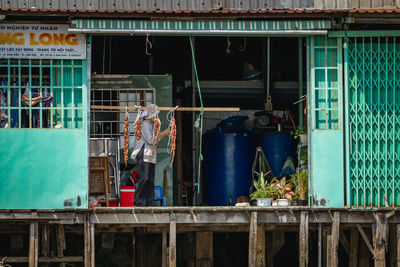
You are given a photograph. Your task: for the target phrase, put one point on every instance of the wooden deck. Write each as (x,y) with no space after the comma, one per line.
(204,221)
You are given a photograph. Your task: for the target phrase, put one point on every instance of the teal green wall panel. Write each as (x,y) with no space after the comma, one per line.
(43,168)
(327,169)
(326,125)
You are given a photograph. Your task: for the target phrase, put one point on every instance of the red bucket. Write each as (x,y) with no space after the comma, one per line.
(127,196)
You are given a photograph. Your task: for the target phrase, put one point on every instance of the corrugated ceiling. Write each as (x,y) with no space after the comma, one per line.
(195,5)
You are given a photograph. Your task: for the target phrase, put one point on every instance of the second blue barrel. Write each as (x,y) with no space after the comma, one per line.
(277,147)
(228,163)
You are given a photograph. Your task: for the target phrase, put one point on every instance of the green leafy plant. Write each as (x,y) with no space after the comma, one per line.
(303,155)
(263,190)
(300,130)
(281,189)
(300,182)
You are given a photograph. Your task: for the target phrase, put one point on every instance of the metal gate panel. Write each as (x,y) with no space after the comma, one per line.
(373,121)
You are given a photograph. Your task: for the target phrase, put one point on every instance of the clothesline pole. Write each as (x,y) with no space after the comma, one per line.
(166,108)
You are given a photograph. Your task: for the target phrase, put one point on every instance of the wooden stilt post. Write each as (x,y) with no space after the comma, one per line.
(353,254)
(172,241)
(61,245)
(45,240)
(33,244)
(260,254)
(379,240)
(334,260)
(269,245)
(191,257)
(164,249)
(303,239)
(364,255)
(86,238)
(398,245)
(204,249)
(92,245)
(253,239)
(325,233)
(392,245)
(133,249)
(344,242)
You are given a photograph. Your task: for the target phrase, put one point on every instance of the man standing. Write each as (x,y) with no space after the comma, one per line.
(146,160)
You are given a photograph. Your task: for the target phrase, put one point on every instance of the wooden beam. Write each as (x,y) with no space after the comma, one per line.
(165,108)
(191,255)
(134,250)
(164,249)
(86,242)
(380,240)
(353,253)
(36,243)
(44,259)
(334,259)
(366,240)
(33,244)
(166,186)
(204,249)
(269,249)
(253,239)
(260,253)
(61,244)
(45,240)
(345,243)
(364,255)
(172,241)
(179,144)
(303,239)
(329,253)
(92,245)
(392,245)
(398,245)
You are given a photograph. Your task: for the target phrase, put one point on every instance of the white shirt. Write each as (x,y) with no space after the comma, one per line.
(146,140)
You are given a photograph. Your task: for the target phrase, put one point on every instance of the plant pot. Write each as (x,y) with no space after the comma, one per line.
(302,202)
(282,202)
(264,202)
(294,203)
(303,139)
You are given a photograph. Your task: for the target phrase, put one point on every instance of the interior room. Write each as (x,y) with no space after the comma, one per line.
(261,76)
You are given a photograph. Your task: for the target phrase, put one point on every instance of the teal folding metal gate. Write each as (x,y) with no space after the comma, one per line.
(373,121)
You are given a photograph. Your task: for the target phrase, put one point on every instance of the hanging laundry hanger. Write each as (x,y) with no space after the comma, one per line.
(149,45)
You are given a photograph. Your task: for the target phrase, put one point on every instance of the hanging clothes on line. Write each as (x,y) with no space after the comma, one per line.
(14,103)
(3,105)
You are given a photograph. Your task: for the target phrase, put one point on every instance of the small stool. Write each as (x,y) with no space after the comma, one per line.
(158,195)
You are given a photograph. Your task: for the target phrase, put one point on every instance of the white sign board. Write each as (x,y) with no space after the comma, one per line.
(41,41)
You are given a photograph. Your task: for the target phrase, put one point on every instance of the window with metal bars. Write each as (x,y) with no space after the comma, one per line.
(106,123)
(41,93)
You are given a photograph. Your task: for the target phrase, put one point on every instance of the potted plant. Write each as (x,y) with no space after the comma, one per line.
(301,132)
(263,191)
(300,182)
(282,191)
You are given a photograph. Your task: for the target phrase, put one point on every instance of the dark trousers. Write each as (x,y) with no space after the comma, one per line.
(144,191)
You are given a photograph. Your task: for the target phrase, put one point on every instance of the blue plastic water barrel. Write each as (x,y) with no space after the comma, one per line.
(228,162)
(277,147)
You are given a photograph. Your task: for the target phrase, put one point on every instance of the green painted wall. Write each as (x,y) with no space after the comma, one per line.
(326,125)
(43,168)
(48,168)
